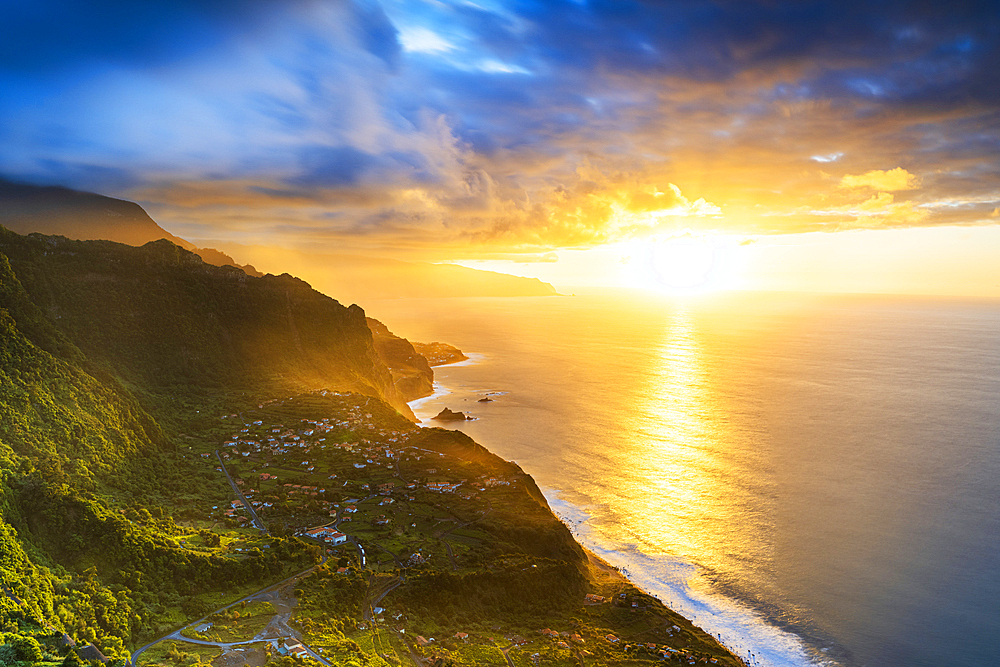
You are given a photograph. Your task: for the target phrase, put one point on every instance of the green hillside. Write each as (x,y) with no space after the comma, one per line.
(180,445)
(79,455)
(175,330)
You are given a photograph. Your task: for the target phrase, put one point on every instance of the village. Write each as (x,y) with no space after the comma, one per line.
(385,508)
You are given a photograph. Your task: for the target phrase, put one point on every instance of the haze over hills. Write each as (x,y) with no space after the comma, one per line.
(88,217)
(352,279)
(359,279)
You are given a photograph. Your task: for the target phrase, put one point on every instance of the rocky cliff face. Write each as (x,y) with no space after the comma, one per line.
(170,326)
(411,372)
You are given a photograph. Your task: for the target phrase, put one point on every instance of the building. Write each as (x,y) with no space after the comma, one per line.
(327,534)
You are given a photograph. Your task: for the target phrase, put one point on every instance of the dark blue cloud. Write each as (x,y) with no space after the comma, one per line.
(333,167)
(345,166)
(255,89)
(378,35)
(47,34)
(79,175)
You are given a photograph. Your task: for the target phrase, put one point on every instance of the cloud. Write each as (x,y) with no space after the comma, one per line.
(892,180)
(423,40)
(507,127)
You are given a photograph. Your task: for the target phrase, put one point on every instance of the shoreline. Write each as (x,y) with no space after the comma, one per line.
(439,389)
(743,631)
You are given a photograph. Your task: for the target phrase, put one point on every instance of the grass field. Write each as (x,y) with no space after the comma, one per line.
(171,653)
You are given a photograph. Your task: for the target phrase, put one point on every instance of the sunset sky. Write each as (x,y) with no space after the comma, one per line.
(845,146)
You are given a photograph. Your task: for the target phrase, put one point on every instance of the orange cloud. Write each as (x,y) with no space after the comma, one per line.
(876,179)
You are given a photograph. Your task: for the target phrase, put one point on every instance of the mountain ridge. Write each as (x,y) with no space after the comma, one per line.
(60,211)
(159,317)
(87,216)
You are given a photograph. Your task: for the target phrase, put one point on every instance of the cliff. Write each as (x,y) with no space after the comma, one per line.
(438,354)
(411,373)
(114,525)
(168,325)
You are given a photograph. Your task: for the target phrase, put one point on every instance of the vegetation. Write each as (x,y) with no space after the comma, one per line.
(189,454)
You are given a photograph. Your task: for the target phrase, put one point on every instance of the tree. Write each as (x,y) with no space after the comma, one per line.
(19,648)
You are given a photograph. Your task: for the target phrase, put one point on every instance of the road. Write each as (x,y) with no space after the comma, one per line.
(504,651)
(239,494)
(444,534)
(372,599)
(176,634)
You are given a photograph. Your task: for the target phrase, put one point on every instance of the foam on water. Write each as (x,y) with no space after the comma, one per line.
(813,479)
(439,389)
(671,580)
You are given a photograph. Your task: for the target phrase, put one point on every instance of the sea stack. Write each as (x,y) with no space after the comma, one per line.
(448,415)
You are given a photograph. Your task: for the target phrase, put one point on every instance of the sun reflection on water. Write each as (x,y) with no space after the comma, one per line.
(685,493)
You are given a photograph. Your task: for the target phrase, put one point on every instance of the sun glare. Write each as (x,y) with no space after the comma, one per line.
(683,263)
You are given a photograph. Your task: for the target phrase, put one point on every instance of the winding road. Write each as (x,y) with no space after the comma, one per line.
(279,624)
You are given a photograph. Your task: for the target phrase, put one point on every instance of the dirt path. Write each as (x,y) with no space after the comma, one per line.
(451,556)
(444,533)
(504,650)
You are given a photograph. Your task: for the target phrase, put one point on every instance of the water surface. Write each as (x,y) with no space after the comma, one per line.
(817,479)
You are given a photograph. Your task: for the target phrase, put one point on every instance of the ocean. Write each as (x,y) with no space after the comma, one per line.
(813,479)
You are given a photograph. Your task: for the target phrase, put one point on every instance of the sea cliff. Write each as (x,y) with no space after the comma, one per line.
(193,456)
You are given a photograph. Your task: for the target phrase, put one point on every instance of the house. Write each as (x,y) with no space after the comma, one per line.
(612,639)
(328,534)
(562,645)
(549,633)
(594,599)
(461,635)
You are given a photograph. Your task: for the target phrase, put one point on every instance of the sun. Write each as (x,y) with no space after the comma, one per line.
(683,262)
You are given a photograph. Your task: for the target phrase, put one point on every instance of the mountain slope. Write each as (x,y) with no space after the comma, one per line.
(169,325)
(26,209)
(411,372)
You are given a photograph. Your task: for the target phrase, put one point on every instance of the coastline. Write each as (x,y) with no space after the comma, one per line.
(439,389)
(742,630)
(737,627)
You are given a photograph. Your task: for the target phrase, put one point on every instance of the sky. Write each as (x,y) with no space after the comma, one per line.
(832,145)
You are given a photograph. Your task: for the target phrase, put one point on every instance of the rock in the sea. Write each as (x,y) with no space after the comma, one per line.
(485,399)
(448,415)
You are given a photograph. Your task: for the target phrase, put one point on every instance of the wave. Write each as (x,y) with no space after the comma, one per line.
(678,585)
